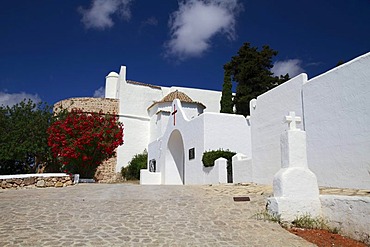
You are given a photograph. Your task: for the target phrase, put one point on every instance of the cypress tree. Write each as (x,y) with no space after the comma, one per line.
(227,97)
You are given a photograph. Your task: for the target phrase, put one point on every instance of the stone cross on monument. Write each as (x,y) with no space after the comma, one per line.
(296,191)
(292,120)
(174,115)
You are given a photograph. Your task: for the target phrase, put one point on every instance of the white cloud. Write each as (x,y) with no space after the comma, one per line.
(292,66)
(196,21)
(99,93)
(99,15)
(10,99)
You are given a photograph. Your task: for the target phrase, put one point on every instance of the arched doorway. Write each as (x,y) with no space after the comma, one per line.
(175,169)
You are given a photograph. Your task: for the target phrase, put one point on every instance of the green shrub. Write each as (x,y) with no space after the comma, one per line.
(138,162)
(209,157)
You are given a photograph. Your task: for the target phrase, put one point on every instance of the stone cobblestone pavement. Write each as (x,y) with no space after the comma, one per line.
(134,215)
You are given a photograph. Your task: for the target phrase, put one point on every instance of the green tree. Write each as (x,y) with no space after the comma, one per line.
(227,94)
(23,137)
(251,70)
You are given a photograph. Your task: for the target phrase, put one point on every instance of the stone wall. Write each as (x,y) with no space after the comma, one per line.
(350,214)
(35,181)
(106,172)
(89,105)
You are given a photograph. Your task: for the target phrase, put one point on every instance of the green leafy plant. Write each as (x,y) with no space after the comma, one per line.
(138,162)
(209,157)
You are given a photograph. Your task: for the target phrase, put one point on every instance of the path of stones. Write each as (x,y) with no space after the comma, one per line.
(133,215)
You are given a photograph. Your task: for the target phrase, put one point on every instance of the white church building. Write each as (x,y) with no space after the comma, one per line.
(176,125)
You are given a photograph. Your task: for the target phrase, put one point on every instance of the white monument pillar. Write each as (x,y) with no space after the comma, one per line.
(296,191)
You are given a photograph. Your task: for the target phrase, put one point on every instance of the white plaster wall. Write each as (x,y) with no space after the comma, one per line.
(216,174)
(136,138)
(211,99)
(226,131)
(209,131)
(337,120)
(133,104)
(134,101)
(348,213)
(154,152)
(192,137)
(267,125)
(242,168)
(191,110)
(192,132)
(174,169)
(155,126)
(150,178)
(159,115)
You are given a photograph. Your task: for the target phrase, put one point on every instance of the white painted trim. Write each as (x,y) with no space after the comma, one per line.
(44,175)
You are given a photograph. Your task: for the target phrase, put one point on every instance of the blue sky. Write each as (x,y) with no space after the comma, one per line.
(52,50)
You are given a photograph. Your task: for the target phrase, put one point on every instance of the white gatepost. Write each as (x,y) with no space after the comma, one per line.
(242,168)
(296,191)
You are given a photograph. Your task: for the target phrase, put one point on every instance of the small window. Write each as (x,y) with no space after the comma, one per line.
(191,153)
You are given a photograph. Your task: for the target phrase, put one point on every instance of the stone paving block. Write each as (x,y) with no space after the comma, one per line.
(134,215)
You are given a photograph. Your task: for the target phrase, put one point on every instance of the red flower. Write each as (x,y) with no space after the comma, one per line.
(84,139)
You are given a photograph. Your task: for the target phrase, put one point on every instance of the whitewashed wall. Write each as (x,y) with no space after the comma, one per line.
(337,121)
(348,213)
(242,168)
(216,174)
(267,114)
(226,131)
(211,99)
(136,138)
(134,101)
(209,131)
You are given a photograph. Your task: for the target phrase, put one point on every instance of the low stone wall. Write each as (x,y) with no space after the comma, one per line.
(41,180)
(348,213)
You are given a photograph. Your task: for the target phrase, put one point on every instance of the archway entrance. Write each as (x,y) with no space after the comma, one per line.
(175,168)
